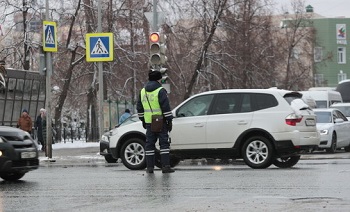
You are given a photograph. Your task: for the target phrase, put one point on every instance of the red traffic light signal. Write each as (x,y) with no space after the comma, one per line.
(154,37)
(157,48)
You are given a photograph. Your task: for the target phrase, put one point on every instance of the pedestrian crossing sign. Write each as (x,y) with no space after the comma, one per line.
(49,36)
(99,47)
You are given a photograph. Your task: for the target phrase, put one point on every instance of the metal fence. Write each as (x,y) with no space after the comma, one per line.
(24,90)
(70,134)
(112,111)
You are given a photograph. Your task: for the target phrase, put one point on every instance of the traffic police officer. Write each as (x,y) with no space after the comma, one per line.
(153,100)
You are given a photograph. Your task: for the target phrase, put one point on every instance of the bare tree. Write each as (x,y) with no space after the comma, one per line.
(295,45)
(22,42)
(212,44)
(248,46)
(202,54)
(70,48)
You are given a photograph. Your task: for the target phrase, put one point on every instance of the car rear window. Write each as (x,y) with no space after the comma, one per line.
(263,101)
(289,97)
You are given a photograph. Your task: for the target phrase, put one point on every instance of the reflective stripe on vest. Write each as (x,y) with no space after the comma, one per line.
(153,103)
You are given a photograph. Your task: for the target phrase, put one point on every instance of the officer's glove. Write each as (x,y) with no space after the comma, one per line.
(144,124)
(169,125)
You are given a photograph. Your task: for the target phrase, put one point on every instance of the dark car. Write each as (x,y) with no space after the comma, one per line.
(18,153)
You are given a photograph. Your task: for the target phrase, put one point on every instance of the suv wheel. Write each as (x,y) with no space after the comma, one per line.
(333,147)
(12,176)
(174,161)
(133,154)
(257,152)
(286,162)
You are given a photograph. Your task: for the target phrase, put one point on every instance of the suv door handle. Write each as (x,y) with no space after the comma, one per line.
(198,125)
(242,122)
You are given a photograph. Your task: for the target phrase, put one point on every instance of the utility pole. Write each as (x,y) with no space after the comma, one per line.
(48,95)
(100,75)
(155,16)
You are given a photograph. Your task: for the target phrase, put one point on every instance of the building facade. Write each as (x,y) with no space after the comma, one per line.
(332,63)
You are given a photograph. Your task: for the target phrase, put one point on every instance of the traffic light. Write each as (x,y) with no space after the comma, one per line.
(164,75)
(157,49)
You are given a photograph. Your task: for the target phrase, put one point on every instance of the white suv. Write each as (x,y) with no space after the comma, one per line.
(262,126)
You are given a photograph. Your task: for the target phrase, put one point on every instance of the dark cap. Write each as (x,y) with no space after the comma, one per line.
(127,111)
(25,110)
(154,75)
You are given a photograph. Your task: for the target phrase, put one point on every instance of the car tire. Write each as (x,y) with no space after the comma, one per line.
(347,149)
(110,159)
(333,147)
(133,154)
(286,162)
(257,152)
(174,161)
(12,176)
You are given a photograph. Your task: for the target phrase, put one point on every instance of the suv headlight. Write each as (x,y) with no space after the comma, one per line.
(323,132)
(104,138)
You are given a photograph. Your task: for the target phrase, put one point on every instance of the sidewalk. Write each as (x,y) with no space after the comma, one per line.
(340,154)
(78,152)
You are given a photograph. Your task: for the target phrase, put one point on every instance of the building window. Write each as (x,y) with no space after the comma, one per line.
(319,80)
(318,54)
(341,55)
(341,76)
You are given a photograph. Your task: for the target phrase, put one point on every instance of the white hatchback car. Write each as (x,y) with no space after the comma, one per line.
(262,126)
(334,128)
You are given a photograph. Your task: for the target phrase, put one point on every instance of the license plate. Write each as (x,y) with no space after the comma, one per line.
(310,122)
(28,155)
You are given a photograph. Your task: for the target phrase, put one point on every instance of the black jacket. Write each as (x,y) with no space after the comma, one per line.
(39,128)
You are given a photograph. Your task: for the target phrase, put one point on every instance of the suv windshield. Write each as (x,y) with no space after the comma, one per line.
(323,117)
(133,118)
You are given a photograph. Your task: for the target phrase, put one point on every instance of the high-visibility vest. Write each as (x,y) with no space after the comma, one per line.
(152,102)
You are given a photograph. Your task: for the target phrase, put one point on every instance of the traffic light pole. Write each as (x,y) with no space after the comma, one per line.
(155,22)
(155,16)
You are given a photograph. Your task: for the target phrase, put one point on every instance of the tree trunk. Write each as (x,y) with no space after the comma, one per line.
(92,120)
(26,56)
(68,79)
(205,47)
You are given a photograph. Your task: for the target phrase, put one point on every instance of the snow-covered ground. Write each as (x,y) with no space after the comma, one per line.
(74,144)
(77,156)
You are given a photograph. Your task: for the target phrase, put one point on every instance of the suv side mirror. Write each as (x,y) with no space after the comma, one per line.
(338,120)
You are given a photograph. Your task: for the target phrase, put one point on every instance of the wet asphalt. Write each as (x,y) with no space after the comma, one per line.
(90,155)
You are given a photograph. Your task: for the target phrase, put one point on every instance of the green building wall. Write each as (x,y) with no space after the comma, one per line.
(326,37)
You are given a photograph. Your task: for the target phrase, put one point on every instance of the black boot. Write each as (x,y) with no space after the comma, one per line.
(167,169)
(150,159)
